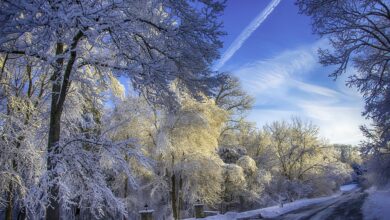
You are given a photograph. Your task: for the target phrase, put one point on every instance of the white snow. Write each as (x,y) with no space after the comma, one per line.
(272,211)
(349,187)
(146,211)
(377,205)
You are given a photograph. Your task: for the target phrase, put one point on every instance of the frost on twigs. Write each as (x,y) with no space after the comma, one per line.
(187,142)
(82,173)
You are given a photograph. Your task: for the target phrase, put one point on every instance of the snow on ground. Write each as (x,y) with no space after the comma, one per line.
(274,211)
(377,205)
(271,212)
(349,187)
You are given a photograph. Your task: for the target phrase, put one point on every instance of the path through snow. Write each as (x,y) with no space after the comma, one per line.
(271,212)
(275,211)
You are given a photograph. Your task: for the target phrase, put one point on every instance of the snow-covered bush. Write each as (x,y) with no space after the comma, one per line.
(248,164)
(231,154)
(235,182)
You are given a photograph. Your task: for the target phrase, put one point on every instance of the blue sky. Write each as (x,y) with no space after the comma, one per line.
(274,53)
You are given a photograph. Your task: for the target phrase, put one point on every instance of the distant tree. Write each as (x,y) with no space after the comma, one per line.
(262,150)
(348,154)
(231,97)
(236,140)
(296,145)
(305,164)
(359,36)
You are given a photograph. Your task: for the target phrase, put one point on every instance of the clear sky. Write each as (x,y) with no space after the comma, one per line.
(274,53)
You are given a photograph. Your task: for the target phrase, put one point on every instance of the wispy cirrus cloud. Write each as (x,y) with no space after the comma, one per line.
(246,33)
(283,87)
(315,89)
(285,68)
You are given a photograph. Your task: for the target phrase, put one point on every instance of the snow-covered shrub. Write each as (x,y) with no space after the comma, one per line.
(231,154)
(235,181)
(248,164)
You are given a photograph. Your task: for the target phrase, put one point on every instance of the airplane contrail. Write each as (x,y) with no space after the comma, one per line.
(246,33)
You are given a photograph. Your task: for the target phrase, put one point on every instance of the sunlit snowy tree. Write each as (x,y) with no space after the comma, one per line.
(188,143)
(151,42)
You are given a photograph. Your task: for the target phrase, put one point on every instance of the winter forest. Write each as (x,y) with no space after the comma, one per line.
(110,107)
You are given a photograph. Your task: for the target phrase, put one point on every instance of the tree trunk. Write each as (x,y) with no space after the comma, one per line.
(22,214)
(8,213)
(125,193)
(173,197)
(180,197)
(53,208)
(59,91)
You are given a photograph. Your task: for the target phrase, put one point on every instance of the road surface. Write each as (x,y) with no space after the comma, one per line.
(345,207)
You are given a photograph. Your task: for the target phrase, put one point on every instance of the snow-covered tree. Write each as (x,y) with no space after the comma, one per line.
(231,97)
(22,93)
(244,184)
(188,141)
(358,33)
(305,164)
(234,184)
(254,182)
(135,119)
(377,154)
(151,42)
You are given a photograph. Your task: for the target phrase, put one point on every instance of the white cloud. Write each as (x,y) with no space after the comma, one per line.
(262,75)
(340,124)
(319,90)
(282,89)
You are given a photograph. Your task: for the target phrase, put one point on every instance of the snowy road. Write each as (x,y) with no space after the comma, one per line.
(347,206)
(344,205)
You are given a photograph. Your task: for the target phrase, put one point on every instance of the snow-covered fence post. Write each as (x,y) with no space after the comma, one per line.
(282,201)
(199,210)
(146,214)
